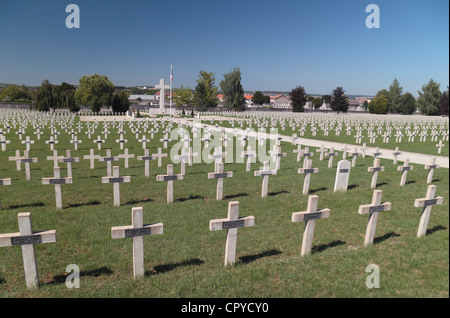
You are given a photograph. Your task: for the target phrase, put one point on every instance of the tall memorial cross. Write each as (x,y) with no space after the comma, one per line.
(57,181)
(427,203)
(116,180)
(430,167)
(137,231)
(307,170)
(26,238)
(219,175)
(170,178)
(373,209)
(162,94)
(4,182)
(375,169)
(405,168)
(92,157)
(265,173)
(232,223)
(309,217)
(146,158)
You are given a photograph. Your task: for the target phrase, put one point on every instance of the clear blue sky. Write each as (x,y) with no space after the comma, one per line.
(278,45)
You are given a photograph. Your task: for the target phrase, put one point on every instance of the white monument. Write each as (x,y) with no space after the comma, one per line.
(162,95)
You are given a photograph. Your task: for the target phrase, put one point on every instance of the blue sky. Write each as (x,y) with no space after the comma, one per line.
(278,45)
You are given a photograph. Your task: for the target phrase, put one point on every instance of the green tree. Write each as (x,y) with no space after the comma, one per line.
(298,99)
(443,105)
(120,102)
(339,102)
(94,91)
(317,102)
(327,98)
(379,105)
(258,98)
(208,90)
(407,104)
(15,93)
(429,98)
(183,97)
(64,97)
(366,105)
(393,96)
(44,97)
(233,92)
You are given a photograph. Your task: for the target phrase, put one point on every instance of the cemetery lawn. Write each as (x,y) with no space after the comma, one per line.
(188,259)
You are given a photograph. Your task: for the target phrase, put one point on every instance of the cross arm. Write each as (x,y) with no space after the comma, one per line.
(307,216)
(370,208)
(418,203)
(14,239)
(225,224)
(128,230)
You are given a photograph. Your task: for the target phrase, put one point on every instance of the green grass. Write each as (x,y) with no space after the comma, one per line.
(187,260)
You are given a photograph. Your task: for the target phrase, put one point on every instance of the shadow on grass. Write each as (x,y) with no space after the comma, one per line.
(317,190)
(76,205)
(381,184)
(322,247)
(33,205)
(139,201)
(409,182)
(61,279)
(271,194)
(160,269)
(251,258)
(385,237)
(191,197)
(352,186)
(435,229)
(232,196)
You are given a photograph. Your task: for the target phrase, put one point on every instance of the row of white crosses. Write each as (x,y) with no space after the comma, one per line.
(26,238)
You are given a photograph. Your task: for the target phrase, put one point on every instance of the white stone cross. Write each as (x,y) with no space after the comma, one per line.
(27,142)
(276,155)
(26,160)
(377,153)
(51,142)
(430,167)
(396,153)
(159,155)
(405,168)
(307,170)
(3,142)
(121,141)
(26,238)
(68,160)
(137,231)
(75,142)
(373,209)
(55,158)
(440,145)
(183,157)
(165,140)
(126,156)
(99,142)
(116,180)
(17,159)
(249,154)
(354,155)
(57,181)
(4,182)
(265,173)
(331,154)
(322,152)
(375,169)
(344,152)
(91,157)
(219,175)
(427,203)
(310,216)
(146,158)
(108,160)
(170,178)
(144,141)
(231,224)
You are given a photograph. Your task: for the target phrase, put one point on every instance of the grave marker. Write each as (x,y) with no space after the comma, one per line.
(265,173)
(375,169)
(373,209)
(430,167)
(116,180)
(405,168)
(4,182)
(427,203)
(26,238)
(91,157)
(219,175)
(307,171)
(57,181)
(170,178)
(231,224)
(137,231)
(146,158)
(342,176)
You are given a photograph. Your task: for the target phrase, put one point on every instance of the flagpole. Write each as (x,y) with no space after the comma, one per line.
(171,79)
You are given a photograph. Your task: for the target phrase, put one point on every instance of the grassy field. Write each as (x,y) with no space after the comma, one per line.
(187,260)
